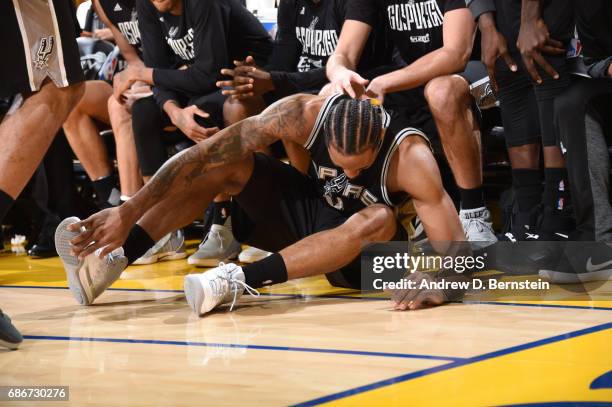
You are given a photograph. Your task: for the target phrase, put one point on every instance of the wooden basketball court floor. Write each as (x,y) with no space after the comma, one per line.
(300,343)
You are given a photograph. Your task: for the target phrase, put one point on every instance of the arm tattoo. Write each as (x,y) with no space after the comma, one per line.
(282,120)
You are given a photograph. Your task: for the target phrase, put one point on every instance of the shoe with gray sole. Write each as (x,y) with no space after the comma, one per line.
(90,277)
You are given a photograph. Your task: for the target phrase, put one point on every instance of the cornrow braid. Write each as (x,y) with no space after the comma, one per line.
(352,126)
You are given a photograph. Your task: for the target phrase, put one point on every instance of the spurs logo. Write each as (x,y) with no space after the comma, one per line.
(173,31)
(45,49)
(336,184)
(313,23)
(337,187)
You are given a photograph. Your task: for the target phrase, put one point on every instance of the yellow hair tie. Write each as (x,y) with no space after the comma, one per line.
(375,102)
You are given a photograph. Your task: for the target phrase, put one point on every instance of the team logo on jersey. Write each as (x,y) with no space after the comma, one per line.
(183,47)
(414,15)
(45,48)
(419,38)
(337,188)
(173,31)
(117,7)
(313,23)
(315,43)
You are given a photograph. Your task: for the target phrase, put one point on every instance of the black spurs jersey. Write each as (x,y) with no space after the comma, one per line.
(415,25)
(315,25)
(178,31)
(123,15)
(350,195)
(204,38)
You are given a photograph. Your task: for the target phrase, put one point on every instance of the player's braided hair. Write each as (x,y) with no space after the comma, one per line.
(352,126)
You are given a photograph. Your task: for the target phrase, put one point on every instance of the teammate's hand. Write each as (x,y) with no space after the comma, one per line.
(403,300)
(184,119)
(122,82)
(494,46)
(376,89)
(107,229)
(533,40)
(350,83)
(247,81)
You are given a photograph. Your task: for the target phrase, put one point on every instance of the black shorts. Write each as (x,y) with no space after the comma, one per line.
(280,206)
(526,108)
(39,41)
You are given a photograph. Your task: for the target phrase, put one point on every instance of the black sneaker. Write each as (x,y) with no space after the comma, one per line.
(523,227)
(9,335)
(581,262)
(45,244)
(556,225)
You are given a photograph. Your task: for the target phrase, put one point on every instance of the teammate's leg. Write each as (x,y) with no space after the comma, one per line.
(450,103)
(148,122)
(84,138)
(27,134)
(127,158)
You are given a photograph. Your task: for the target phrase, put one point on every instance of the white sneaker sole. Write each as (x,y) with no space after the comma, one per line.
(247,258)
(156,258)
(9,345)
(194,293)
(210,262)
(571,278)
(79,289)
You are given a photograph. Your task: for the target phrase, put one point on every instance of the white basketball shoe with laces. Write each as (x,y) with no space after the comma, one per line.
(215,287)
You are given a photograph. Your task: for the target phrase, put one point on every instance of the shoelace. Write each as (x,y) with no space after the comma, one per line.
(233,283)
(478,223)
(212,233)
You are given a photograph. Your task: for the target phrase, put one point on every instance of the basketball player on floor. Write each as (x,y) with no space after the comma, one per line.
(308,31)
(42,71)
(364,162)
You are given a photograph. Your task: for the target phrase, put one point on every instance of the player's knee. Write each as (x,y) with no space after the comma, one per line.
(234,111)
(375,223)
(115,109)
(67,99)
(74,93)
(145,118)
(446,95)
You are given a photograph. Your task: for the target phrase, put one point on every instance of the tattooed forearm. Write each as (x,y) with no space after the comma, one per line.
(284,119)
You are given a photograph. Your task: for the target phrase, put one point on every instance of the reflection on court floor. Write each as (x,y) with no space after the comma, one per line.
(302,342)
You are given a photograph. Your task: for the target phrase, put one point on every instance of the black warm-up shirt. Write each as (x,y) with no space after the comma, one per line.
(206,37)
(123,15)
(307,36)
(594,26)
(415,26)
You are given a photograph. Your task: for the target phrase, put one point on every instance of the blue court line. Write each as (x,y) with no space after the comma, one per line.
(332,296)
(240,346)
(448,366)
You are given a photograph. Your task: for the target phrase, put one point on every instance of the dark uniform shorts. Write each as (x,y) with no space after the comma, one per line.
(280,206)
(39,41)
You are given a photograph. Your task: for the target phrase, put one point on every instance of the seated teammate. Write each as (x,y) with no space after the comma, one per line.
(364,162)
(434,38)
(98,105)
